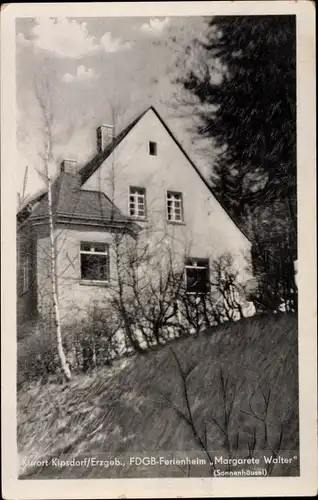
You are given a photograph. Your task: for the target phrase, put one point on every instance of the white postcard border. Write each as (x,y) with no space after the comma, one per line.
(306,484)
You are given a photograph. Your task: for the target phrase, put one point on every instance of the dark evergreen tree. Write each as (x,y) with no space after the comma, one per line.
(245,85)
(254,107)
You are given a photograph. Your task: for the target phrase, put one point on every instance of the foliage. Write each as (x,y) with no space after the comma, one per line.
(36,353)
(240,81)
(273,253)
(225,300)
(247,82)
(88,343)
(151,300)
(275,273)
(148,306)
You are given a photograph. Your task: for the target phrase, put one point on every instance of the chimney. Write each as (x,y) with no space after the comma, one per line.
(68,166)
(104,137)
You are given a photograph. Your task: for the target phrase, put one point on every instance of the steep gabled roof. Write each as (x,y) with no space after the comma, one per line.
(97,161)
(70,199)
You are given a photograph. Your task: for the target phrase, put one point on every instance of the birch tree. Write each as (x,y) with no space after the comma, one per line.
(45,102)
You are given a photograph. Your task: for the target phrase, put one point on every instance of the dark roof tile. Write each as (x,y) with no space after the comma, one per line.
(69,199)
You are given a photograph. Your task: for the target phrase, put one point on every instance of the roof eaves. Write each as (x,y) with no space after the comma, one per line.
(83,219)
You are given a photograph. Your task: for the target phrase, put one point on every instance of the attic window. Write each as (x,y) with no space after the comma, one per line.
(152,148)
(197,276)
(94,261)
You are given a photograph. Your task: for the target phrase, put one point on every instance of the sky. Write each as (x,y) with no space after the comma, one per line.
(93,66)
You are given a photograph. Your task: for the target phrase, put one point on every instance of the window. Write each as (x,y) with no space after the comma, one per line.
(174,207)
(152,148)
(197,276)
(137,202)
(94,261)
(25,273)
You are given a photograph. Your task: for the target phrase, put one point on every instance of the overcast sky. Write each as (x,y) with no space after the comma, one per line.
(91,63)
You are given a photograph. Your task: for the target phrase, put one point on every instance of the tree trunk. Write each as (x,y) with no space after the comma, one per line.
(56,309)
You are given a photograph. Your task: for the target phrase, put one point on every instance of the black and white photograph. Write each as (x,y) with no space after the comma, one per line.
(157,233)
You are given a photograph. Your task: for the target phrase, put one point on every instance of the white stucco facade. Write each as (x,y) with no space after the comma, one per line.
(207,230)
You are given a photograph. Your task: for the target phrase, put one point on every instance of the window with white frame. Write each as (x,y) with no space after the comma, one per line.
(94,261)
(174,207)
(137,202)
(197,275)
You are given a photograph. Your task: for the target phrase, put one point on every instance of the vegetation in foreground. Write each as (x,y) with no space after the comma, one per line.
(232,389)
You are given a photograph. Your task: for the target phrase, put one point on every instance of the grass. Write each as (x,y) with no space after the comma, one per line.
(135,406)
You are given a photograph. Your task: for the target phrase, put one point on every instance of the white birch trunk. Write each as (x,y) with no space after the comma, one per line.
(44,98)
(56,309)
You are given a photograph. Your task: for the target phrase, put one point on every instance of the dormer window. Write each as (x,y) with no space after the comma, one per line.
(152,148)
(137,202)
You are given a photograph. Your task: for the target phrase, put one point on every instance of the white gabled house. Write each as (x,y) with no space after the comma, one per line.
(140,183)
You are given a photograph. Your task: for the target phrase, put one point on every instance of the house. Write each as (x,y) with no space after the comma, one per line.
(140,184)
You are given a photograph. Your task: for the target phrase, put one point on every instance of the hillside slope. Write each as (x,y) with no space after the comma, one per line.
(242,383)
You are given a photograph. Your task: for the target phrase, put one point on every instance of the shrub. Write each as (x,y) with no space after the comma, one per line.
(87,343)
(36,353)
(94,341)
